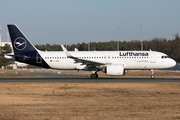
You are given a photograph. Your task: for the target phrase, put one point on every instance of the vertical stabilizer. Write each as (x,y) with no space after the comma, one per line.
(19,41)
(24,50)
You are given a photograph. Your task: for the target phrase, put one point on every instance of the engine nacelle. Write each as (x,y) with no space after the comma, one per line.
(116,69)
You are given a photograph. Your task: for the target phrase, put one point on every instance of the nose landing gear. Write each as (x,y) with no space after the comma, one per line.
(152,74)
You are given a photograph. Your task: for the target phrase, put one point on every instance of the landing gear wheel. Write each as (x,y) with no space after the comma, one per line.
(93,76)
(152,76)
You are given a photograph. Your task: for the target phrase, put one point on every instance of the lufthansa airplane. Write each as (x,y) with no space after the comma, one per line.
(110,62)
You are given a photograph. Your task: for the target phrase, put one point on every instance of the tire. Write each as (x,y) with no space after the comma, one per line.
(94,76)
(152,76)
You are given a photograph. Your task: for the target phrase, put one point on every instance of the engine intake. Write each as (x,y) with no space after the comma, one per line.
(115,69)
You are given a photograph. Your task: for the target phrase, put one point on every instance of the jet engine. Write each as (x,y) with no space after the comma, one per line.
(116,69)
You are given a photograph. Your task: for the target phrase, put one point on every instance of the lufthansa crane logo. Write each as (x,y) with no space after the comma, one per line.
(20,43)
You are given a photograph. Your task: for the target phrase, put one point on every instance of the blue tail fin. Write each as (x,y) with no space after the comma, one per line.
(19,41)
(24,50)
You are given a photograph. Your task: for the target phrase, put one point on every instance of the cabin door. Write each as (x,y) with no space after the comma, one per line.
(38,58)
(152,58)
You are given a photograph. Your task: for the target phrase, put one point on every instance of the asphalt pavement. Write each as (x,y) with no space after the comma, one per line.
(59,78)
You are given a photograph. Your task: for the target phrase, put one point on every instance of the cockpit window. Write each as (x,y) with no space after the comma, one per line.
(164,57)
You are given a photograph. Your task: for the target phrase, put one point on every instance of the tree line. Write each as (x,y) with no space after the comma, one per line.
(4,50)
(170,47)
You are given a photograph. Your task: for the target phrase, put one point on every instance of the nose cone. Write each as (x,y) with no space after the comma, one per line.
(172,63)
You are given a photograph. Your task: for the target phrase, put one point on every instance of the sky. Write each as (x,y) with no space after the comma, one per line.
(47,21)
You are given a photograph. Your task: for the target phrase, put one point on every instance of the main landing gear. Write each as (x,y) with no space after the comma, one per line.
(152,74)
(94,75)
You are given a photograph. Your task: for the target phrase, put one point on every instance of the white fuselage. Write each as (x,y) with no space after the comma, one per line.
(130,59)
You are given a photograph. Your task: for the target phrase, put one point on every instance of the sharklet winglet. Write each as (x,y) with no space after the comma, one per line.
(65,51)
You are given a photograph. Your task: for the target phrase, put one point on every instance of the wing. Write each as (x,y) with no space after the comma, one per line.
(88,63)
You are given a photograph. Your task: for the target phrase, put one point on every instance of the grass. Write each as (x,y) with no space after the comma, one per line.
(79,101)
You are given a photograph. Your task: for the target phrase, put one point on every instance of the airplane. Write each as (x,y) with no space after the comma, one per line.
(113,63)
